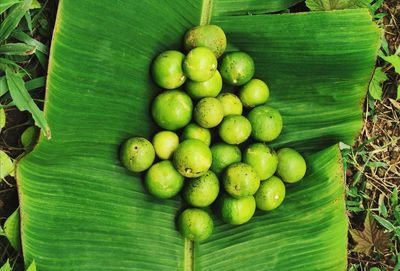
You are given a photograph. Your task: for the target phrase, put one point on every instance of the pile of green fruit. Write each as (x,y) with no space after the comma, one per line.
(243,180)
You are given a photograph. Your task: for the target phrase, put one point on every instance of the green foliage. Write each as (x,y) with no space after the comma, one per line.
(23,101)
(6,165)
(6,266)
(375,86)
(394,60)
(12,20)
(317,5)
(12,231)
(2,119)
(32,266)
(16,49)
(97,214)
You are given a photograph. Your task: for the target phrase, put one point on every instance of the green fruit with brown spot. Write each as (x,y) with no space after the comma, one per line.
(210,36)
(208,112)
(240,180)
(195,224)
(236,68)
(253,93)
(202,191)
(192,158)
(266,123)
(200,64)
(137,154)
(262,158)
(231,104)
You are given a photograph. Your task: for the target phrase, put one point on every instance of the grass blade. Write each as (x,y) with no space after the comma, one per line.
(12,20)
(24,101)
(6,4)
(17,49)
(22,36)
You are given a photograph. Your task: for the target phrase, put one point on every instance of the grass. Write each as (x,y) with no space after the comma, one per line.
(32,34)
(372,165)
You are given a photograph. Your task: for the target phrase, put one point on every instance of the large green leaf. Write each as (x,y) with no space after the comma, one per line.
(80,210)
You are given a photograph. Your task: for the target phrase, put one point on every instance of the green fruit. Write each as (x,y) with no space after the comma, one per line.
(202,191)
(137,154)
(270,194)
(29,136)
(192,158)
(210,36)
(163,181)
(172,109)
(235,129)
(375,269)
(195,224)
(240,180)
(266,123)
(291,165)
(194,131)
(231,104)
(208,112)
(263,159)
(210,88)
(224,155)
(167,69)
(237,211)
(254,93)
(236,68)
(165,143)
(200,64)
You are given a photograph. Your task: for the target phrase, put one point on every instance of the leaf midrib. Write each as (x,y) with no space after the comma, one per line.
(205,17)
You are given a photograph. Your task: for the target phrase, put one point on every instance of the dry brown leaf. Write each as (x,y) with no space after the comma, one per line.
(370,237)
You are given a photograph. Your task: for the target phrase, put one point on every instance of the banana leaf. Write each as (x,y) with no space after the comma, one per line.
(81,210)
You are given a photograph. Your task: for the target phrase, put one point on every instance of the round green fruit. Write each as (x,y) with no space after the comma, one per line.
(266,123)
(194,131)
(291,165)
(192,158)
(236,68)
(165,143)
(240,180)
(262,158)
(210,36)
(208,112)
(234,129)
(237,211)
(29,136)
(210,88)
(195,224)
(270,194)
(254,93)
(224,155)
(231,104)
(163,181)
(137,154)
(172,109)
(167,69)
(202,191)
(200,64)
